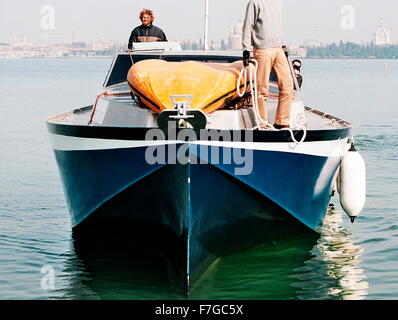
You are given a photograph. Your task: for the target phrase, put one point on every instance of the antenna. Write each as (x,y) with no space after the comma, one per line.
(206,42)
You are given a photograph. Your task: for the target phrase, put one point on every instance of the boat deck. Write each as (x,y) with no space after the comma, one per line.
(115,107)
(118,99)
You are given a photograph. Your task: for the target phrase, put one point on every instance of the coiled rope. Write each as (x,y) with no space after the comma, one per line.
(252,70)
(301,126)
(252,67)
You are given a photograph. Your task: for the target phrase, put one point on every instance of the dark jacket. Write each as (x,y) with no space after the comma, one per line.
(146,34)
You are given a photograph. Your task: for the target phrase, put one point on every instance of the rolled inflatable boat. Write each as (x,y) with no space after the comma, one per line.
(212,86)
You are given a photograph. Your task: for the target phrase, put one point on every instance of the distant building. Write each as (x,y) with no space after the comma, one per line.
(382,35)
(296,51)
(81,45)
(5,50)
(215,44)
(5,46)
(60,50)
(20,40)
(75,36)
(312,43)
(235,37)
(103,45)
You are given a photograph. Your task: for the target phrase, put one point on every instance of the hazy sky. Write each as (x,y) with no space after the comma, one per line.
(183,19)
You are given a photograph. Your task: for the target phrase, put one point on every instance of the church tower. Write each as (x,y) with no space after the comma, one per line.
(382,35)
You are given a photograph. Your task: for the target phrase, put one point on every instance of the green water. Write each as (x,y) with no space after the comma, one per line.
(346,261)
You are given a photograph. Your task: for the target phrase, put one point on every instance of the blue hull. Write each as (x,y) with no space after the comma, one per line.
(194,213)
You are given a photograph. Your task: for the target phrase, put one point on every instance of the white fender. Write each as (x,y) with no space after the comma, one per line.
(352,183)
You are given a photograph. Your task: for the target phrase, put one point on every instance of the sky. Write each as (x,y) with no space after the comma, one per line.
(304,20)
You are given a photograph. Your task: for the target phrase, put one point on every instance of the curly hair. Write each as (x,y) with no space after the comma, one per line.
(147,12)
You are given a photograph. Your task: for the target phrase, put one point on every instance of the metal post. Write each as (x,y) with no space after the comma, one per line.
(206,44)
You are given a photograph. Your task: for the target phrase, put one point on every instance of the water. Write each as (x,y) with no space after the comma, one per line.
(347,261)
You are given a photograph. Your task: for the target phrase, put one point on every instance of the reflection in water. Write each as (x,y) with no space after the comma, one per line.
(118,271)
(302,266)
(333,271)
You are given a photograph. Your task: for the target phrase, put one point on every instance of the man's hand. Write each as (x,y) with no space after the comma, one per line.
(285,51)
(246,58)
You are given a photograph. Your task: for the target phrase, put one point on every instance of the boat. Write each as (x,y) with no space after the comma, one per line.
(191,185)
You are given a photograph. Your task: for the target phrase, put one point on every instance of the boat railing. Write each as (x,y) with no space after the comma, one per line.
(333,119)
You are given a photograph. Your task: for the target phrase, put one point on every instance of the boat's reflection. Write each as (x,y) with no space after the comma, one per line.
(334,269)
(108,270)
(298,267)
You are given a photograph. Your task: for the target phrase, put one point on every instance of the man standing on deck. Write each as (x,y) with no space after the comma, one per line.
(146,32)
(262,29)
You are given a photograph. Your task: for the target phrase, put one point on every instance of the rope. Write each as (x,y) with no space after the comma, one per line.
(131,58)
(300,126)
(352,135)
(253,67)
(104,94)
(90,122)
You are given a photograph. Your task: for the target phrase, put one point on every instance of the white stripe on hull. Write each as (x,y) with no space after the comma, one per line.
(334,148)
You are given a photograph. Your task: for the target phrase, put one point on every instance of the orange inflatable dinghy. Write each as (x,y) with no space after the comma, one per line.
(211,85)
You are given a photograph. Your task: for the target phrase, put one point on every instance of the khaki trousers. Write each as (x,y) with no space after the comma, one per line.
(274,58)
